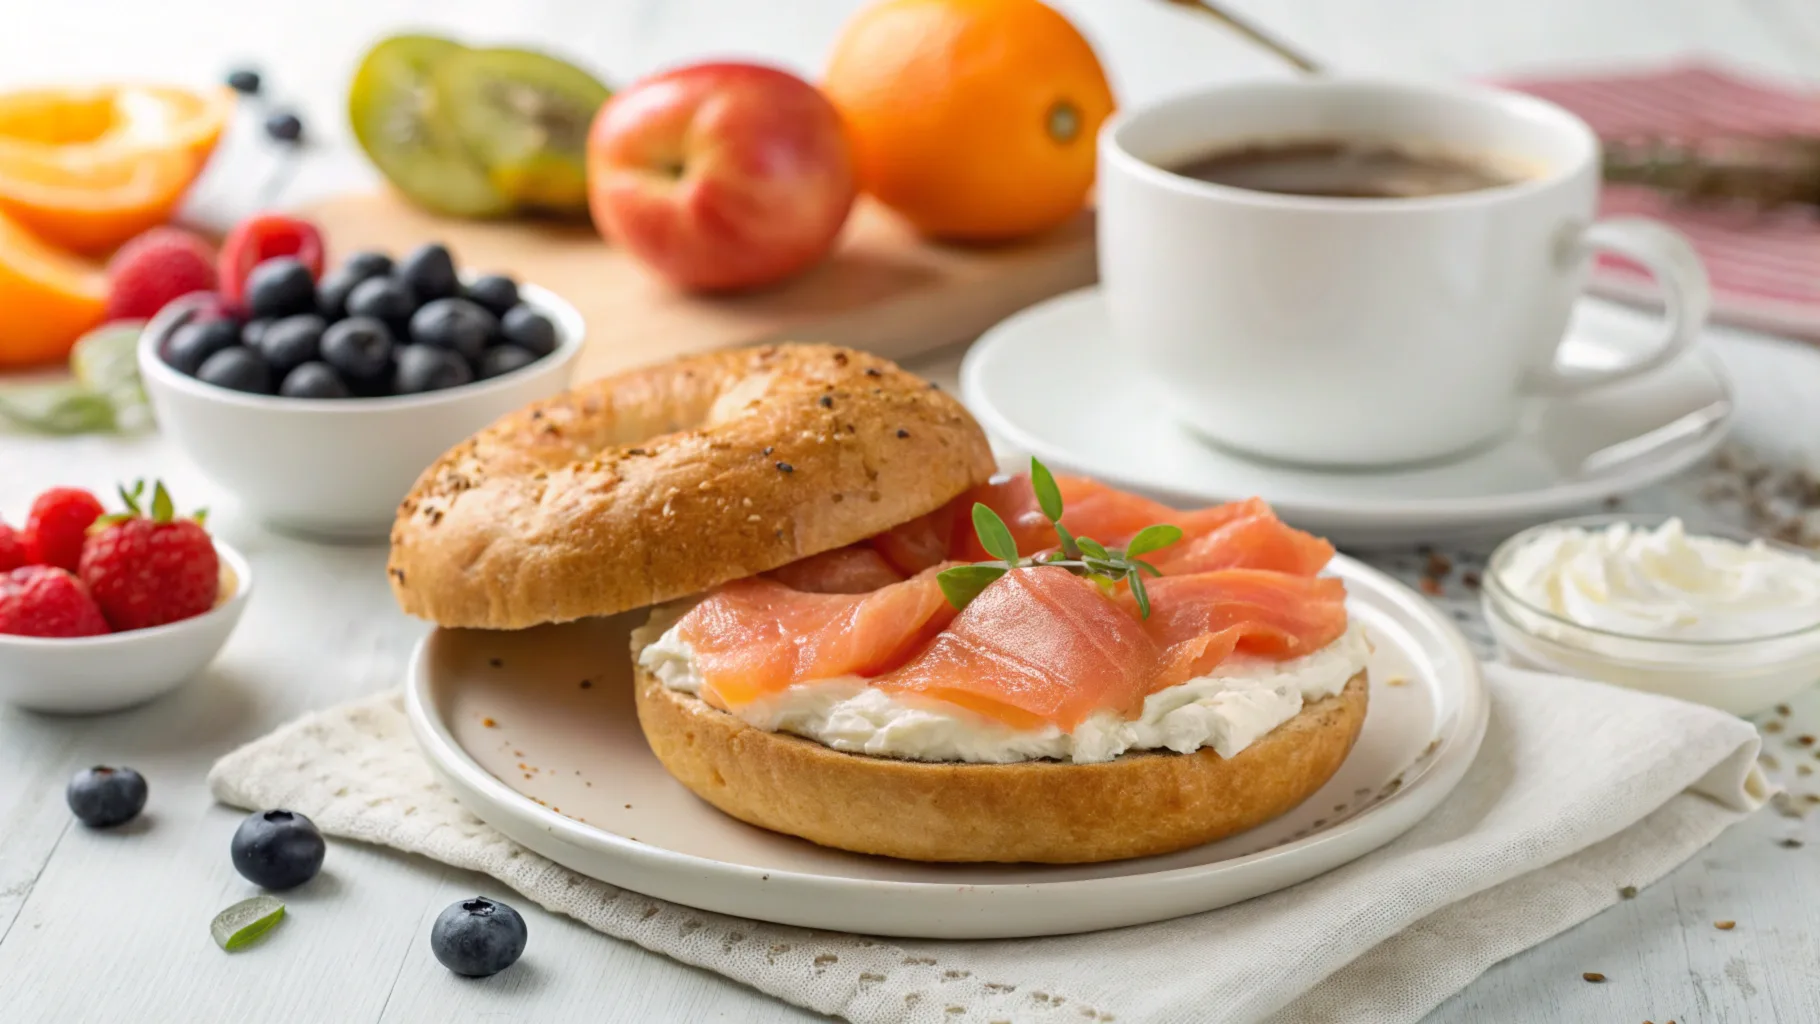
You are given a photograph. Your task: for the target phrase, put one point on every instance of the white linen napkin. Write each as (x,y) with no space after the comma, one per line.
(1580,789)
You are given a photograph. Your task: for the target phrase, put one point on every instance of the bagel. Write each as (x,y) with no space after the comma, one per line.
(1136,805)
(665,481)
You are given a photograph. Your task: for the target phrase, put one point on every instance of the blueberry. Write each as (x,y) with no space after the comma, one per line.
(503,359)
(529,329)
(238,368)
(367,264)
(280,287)
(314,380)
(430,271)
(192,344)
(277,849)
(360,347)
(291,342)
(284,126)
(253,330)
(383,298)
(496,293)
(455,324)
(333,291)
(427,368)
(102,797)
(244,81)
(478,937)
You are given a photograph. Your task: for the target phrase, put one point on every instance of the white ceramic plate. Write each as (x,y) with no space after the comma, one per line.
(1052,382)
(534,731)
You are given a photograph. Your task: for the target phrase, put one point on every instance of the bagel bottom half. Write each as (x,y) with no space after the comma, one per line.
(1035,811)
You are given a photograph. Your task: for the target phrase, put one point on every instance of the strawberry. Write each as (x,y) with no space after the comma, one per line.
(41,600)
(149,570)
(158,266)
(261,237)
(57,525)
(12,549)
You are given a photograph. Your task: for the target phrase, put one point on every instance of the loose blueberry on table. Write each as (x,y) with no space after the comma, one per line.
(478,937)
(369,328)
(102,797)
(278,849)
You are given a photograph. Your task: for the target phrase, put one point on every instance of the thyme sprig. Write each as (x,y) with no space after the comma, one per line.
(1105,567)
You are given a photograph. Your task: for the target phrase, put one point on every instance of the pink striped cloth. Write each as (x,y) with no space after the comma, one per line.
(1765,267)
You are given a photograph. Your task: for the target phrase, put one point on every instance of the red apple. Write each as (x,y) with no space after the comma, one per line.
(720,176)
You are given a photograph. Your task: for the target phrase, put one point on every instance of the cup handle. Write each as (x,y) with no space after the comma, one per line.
(1687,297)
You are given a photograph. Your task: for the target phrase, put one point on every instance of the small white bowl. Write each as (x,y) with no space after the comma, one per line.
(90,674)
(335,467)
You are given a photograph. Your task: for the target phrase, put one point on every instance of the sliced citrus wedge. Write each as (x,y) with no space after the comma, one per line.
(49,297)
(88,168)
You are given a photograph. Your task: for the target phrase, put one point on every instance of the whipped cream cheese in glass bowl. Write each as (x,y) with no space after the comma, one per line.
(1718,618)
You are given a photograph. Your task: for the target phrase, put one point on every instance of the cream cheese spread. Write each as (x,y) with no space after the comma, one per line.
(1229,709)
(1663,583)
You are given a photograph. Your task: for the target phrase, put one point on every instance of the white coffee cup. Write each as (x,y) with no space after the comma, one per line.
(1365,332)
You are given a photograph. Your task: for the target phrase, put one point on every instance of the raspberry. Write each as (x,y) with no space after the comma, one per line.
(40,600)
(12,549)
(158,266)
(261,237)
(149,570)
(57,526)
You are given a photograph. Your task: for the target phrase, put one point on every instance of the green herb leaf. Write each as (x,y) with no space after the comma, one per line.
(963,583)
(1093,548)
(162,509)
(1070,547)
(1048,495)
(1139,594)
(1150,538)
(242,924)
(1146,566)
(994,535)
(60,409)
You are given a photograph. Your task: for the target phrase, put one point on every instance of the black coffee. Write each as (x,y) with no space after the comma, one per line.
(1355,170)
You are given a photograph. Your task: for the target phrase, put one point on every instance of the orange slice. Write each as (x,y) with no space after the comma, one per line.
(88,168)
(50,297)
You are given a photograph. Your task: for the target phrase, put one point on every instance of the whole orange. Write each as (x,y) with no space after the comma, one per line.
(974,119)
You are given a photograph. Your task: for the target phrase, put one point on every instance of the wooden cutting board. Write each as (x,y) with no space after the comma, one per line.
(883,289)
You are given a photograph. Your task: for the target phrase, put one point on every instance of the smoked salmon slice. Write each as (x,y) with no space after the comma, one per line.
(1239,535)
(1200,620)
(849,570)
(1039,646)
(753,637)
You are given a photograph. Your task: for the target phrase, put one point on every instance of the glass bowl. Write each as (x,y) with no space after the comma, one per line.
(1743,676)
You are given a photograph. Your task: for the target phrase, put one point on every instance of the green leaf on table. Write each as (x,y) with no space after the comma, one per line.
(244,923)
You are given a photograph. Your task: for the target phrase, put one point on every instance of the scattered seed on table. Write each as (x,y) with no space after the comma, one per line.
(1593,976)
(1790,843)
(1725,926)
(1629,892)
(1772,726)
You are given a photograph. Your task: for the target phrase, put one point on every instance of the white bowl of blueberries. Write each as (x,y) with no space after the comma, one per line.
(319,406)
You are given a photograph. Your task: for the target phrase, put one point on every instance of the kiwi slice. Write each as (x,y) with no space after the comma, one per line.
(404,127)
(524,116)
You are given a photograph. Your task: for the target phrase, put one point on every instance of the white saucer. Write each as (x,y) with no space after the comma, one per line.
(562,768)
(1052,382)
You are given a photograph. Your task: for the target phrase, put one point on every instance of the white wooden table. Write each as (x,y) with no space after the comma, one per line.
(112,926)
